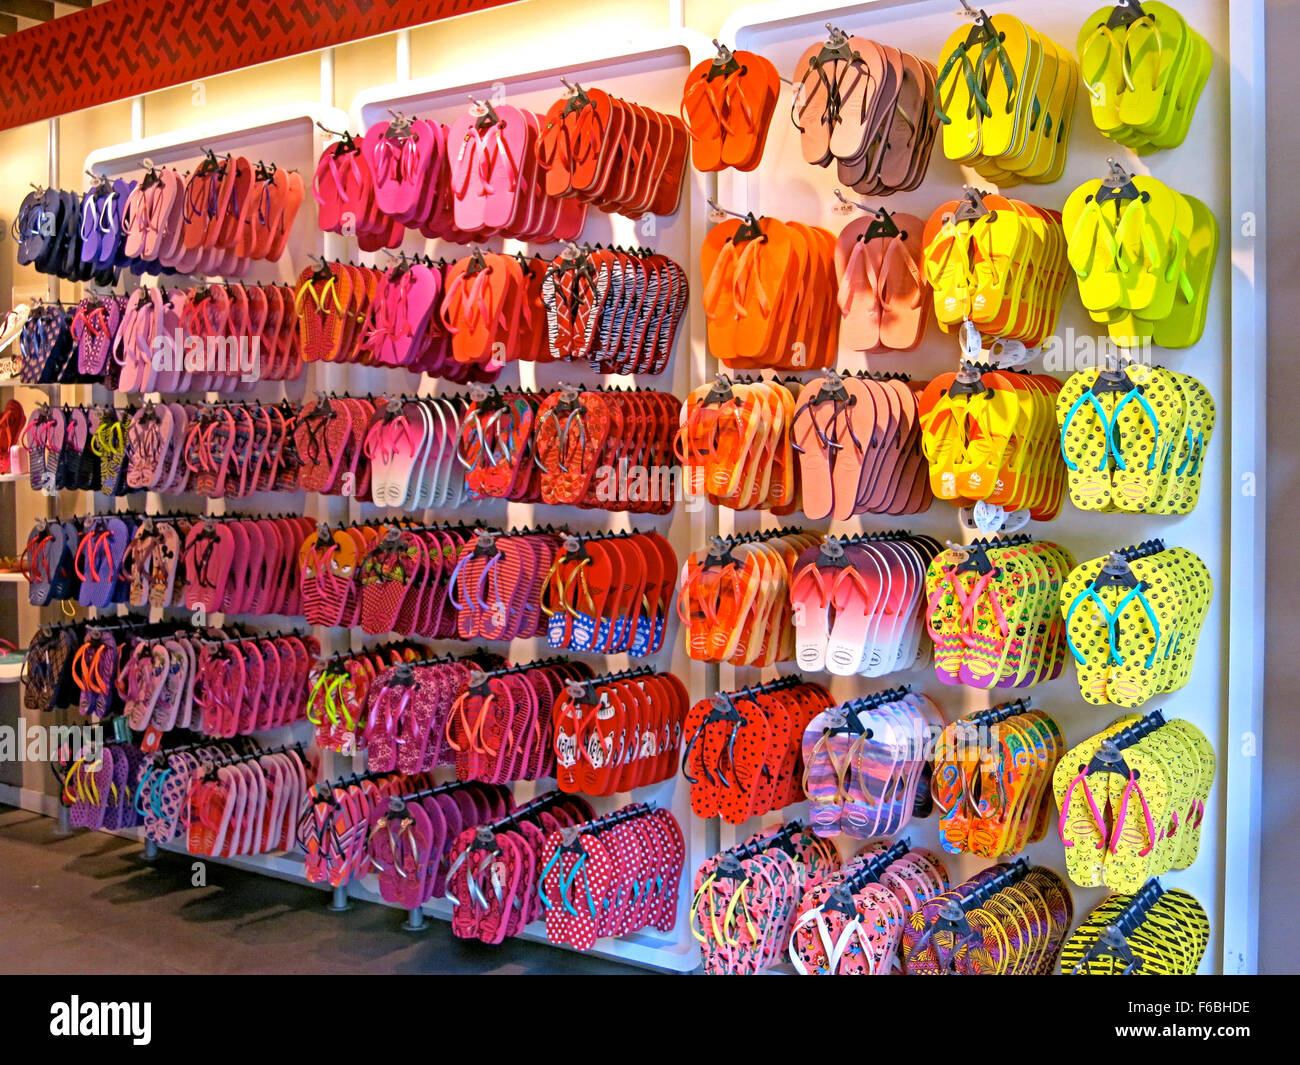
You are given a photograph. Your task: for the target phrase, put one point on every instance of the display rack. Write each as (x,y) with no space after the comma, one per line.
(652,75)
(1219,163)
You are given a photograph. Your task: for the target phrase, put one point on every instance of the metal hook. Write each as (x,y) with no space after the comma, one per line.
(714,205)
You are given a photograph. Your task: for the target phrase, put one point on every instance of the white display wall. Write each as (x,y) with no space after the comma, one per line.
(1223,696)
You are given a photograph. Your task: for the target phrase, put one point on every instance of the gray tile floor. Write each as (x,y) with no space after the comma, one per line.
(86,903)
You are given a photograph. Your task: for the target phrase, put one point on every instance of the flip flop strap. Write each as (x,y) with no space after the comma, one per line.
(748,270)
(1115,836)
(1114,428)
(1091,399)
(1067,800)
(977,98)
(999,51)
(982,587)
(1138,214)
(1104,32)
(1146,22)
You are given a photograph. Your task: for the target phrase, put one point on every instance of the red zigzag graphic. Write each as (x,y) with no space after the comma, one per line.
(127,47)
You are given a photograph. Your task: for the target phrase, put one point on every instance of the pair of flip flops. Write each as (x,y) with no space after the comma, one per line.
(337,688)
(997,262)
(333,828)
(503,724)
(330,444)
(214,338)
(573,446)
(992,779)
(619,309)
(858,604)
(1007,920)
(247,804)
(217,682)
(216,219)
(162,781)
(859,439)
(769,294)
(884,295)
(869,109)
(243,564)
(410,445)
(612,876)
(618,156)
(1134,438)
(47,350)
(1132,800)
(48,229)
(618,731)
(1133,619)
(735,444)
(97,665)
(99,790)
(94,328)
(478,714)
(14,320)
(993,612)
(989,436)
(734,602)
(851,922)
(408,837)
(75,560)
(150,568)
(493,869)
(1143,254)
(1144,68)
(381,577)
(1152,932)
(97,558)
(727,105)
(747,897)
(465,183)
(47,678)
(487,304)
(743,754)
(864,760)
(13,420)
(609,593)
(1005,95)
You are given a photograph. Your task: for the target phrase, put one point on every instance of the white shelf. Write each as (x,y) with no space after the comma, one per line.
(12,578)
(10,672)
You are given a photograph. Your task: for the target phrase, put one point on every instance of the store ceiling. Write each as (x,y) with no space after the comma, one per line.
(18,15)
